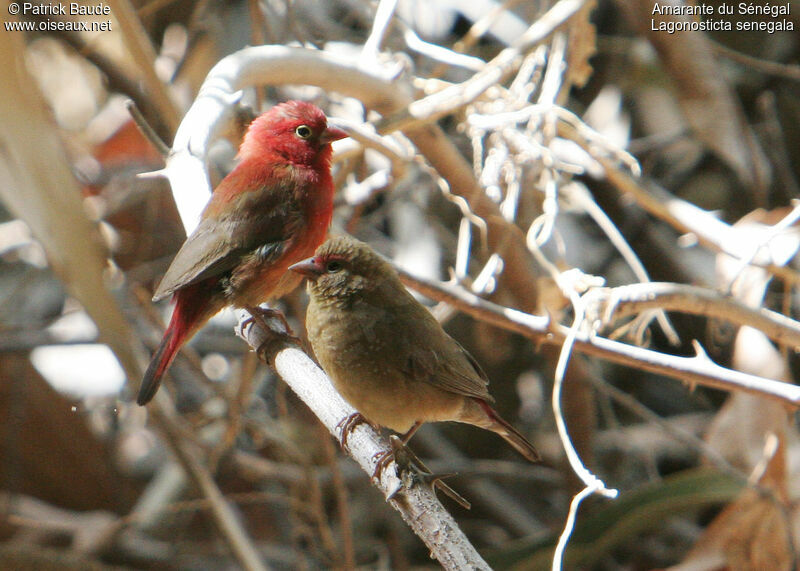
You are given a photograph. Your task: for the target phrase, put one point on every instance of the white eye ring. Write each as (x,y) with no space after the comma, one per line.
(303,131)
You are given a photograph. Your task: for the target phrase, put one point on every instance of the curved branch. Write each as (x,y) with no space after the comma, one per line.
(635,298)
(418,504)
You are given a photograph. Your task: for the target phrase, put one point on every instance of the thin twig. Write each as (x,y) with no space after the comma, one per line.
(232,530)
(683,216)
(380,24)
(438,53)
(631,299)
(618,241)
(342,505)
(452,98)
(146,129)
(141,49)
(787,71)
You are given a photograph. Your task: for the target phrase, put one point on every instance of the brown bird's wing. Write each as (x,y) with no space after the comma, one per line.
(450,367)
(219,242)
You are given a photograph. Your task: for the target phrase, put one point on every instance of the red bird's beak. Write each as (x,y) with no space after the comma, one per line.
(330,135)
(309,267)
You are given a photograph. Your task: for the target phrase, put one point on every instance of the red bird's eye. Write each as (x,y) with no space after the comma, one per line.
(333,267)
(303,131)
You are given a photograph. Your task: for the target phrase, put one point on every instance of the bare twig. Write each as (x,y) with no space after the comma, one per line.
(380,24)
(592,484)
(683,216)
(418,505)
(453,98)
(618,241)
(141,50)
(342,505)
(630,299)
(146,129)
(788,71)
(438,53)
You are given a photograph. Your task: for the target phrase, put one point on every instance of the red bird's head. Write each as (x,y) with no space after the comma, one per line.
(296,132)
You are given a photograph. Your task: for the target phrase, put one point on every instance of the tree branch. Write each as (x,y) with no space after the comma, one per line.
(698,369)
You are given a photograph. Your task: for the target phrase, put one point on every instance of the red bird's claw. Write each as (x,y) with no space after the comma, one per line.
(260,315)
(348,424)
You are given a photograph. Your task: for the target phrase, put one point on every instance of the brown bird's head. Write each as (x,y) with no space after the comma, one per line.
(343,267)
(296,132)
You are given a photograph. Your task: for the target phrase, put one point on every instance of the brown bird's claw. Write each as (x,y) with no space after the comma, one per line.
(383,459)
(349,423)
(435,481)
(413,470)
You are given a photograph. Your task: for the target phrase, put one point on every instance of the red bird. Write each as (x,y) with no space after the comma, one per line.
(271,211)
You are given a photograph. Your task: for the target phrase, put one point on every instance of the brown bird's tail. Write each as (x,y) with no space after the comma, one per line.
(192,310)
(510,434)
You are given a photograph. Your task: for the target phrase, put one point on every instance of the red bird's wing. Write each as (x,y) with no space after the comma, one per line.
(264,226)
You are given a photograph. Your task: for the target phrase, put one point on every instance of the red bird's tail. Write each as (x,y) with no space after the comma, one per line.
(170,344)
(194,305)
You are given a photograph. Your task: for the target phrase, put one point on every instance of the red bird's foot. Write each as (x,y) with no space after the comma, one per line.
(260,315)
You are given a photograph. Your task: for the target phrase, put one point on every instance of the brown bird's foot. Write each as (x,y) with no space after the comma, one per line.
(413,470)
(383,459)
(349,423)
(397,443)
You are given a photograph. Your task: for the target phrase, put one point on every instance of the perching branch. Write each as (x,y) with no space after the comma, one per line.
(418,505)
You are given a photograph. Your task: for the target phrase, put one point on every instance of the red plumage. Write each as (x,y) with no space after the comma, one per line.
(272,210)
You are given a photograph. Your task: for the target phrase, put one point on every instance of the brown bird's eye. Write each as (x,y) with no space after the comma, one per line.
(333,267)
(303,131)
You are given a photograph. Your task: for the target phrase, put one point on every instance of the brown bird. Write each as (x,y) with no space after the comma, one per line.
(386,353)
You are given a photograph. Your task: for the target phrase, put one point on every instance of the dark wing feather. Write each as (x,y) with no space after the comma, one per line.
(453,370)
(261,224)
(420,348)
(440,360)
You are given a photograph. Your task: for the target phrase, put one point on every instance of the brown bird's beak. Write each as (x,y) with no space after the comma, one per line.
(330,135)
(309,267)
